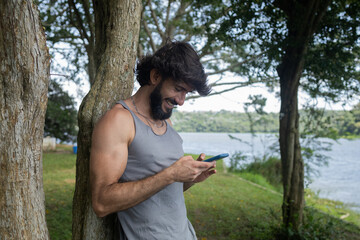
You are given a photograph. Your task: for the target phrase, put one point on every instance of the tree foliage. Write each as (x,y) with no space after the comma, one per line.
(331,66)
(313,121)
(292,37)
(61,114)
(203,24)
(70,30)
(69,25)
(224,121)
(246,38)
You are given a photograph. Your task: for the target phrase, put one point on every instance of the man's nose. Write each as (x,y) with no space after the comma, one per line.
(181,98)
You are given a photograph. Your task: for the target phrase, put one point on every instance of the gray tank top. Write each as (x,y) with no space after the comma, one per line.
(162,216)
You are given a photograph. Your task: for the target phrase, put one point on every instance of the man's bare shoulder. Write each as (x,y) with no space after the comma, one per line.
(117,121)
(117,116)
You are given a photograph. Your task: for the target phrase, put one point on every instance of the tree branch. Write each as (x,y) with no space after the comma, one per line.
(216,93)
(154,17)
(148,32)
(168,13)
(207,52)
(170,28)
(79,23)
(235,65)
(321,10)
(237,85)
(60,75)
(89,18)
(211,59)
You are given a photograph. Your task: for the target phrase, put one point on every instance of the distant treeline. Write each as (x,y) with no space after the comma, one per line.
(341,123)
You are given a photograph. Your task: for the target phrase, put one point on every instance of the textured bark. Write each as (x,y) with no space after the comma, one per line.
(303,19)
(24,77)
(117,24)
(91,64)
(292,163)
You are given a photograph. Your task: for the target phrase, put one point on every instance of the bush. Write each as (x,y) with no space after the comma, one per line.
(316,226)
(237,161)
(270,169)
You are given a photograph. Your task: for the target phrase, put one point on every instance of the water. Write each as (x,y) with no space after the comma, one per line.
(340,180)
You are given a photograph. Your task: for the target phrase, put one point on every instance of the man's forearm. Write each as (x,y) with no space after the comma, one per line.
(120,196)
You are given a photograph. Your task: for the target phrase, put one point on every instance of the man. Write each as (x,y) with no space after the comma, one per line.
(137,167)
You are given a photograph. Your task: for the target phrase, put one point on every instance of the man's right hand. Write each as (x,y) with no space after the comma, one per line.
(186,169)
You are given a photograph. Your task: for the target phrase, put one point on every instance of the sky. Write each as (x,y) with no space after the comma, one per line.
(231,101)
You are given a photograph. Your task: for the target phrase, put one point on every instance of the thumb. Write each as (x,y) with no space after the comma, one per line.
(201,157)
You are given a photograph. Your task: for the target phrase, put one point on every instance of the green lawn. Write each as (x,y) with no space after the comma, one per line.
(224,207)
(59,185)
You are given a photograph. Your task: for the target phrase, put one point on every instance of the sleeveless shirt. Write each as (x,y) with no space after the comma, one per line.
(162,216)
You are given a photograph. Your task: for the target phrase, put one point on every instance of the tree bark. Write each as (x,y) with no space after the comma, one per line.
(117,24)
(292,163)
(24,78)
(303,19)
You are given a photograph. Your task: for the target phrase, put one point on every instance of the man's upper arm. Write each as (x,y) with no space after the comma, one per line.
(109,151)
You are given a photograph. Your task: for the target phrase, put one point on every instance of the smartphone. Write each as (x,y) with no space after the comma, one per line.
(217,157)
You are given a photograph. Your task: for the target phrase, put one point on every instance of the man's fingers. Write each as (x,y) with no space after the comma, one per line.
(201,157)
(204,165)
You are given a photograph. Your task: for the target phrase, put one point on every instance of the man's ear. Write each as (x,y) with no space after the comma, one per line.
(155,77)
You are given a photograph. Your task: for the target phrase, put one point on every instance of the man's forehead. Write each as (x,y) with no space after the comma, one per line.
(185,86)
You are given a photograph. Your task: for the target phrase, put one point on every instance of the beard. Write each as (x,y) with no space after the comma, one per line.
(156,101)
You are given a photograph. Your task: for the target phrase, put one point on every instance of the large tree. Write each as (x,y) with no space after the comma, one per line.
(313,44)
(117,25)
(24,76)
(303,19)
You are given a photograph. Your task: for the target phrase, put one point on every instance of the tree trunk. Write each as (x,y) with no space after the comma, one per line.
(303,19)
(292,163)
(117,25)
(24,78)
(91,65)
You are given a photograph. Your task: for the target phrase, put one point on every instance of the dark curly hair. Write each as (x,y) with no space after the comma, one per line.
(175,60)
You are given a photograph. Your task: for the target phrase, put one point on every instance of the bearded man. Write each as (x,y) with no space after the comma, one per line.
(137,167)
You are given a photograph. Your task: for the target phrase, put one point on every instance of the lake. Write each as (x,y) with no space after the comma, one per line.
(339,180)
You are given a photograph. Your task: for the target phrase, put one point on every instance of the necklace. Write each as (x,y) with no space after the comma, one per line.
(146,118)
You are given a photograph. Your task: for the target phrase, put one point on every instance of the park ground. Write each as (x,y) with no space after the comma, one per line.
(226,206)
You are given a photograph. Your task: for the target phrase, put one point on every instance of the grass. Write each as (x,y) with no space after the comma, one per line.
(224,207)
(334,208)
(59,186)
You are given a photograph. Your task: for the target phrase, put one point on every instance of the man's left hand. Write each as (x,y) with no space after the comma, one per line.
(205,174)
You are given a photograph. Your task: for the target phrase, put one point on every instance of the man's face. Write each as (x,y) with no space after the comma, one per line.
(166,95)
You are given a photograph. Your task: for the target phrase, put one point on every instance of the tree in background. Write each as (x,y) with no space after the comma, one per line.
(61,114)
(116,25)
(356,124)
(24,77)
(309,44)
(349,122)
(70,30)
